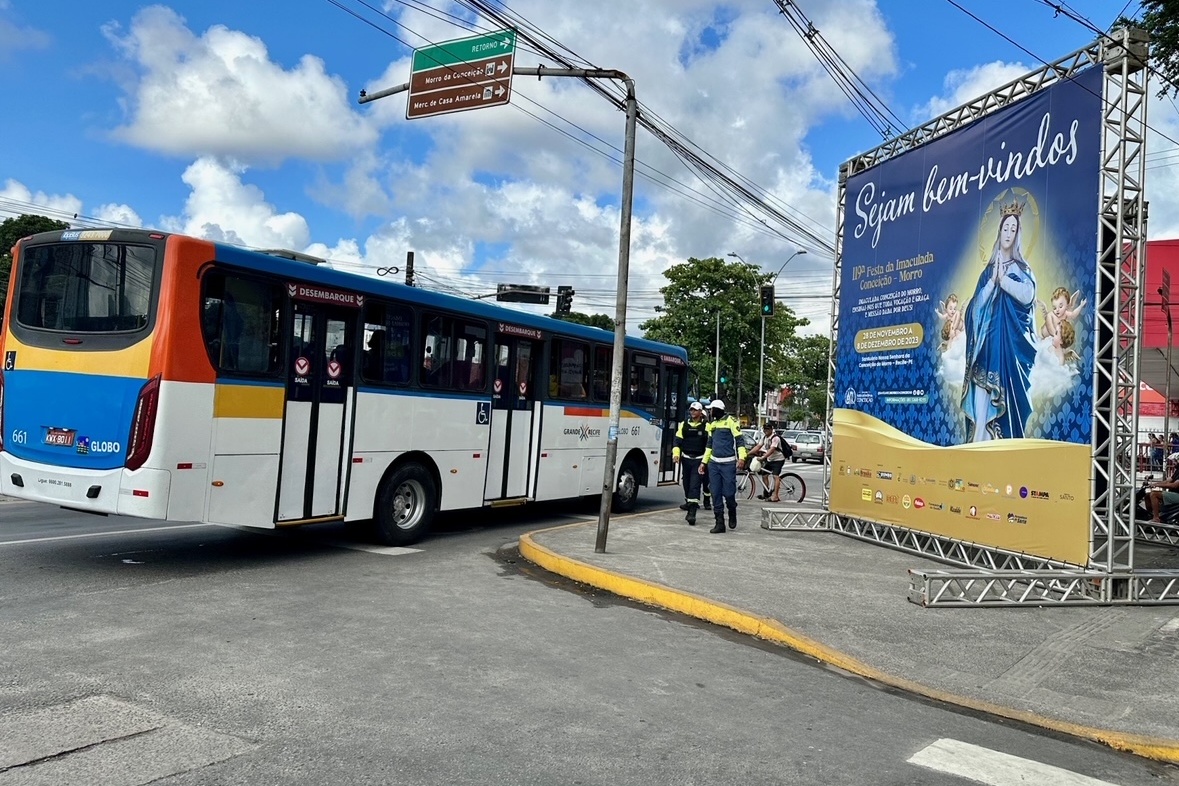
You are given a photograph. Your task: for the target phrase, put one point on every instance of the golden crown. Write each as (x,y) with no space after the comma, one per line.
(1013,209)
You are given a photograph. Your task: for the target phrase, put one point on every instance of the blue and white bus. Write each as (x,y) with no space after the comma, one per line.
(156,375)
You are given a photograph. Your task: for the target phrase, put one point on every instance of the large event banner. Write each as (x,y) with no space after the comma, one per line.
(964,362)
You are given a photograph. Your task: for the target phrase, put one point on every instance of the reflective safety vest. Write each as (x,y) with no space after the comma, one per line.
(691,439)
(725,441)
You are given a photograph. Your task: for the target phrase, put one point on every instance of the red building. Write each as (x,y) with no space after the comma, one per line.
(1161,255)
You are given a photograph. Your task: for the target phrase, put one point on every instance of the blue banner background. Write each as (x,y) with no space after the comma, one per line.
(947,244)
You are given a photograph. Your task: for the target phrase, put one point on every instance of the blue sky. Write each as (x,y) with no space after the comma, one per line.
(239,122)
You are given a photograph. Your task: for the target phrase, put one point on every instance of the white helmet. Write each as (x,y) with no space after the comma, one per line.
(717,404)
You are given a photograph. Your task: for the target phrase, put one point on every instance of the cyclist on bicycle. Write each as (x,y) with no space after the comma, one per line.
(773,458)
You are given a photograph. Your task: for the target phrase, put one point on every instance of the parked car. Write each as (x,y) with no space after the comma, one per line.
(807,446)
(788,436)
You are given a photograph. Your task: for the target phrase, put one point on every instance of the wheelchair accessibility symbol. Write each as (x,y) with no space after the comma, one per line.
(482,413)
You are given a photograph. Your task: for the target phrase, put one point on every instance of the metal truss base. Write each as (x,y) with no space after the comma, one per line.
(1042,588)
(794,517)
(990,576)
(1162,534)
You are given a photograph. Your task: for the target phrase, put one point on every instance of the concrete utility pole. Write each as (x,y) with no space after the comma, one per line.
(628,178)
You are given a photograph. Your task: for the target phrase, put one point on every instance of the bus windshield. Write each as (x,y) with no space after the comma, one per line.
(86,287)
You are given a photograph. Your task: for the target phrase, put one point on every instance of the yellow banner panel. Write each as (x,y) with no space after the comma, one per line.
(1024,495)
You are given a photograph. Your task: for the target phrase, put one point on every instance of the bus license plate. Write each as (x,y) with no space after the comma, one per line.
(62,437)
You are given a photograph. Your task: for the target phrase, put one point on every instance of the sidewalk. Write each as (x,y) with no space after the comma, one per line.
(1102,673)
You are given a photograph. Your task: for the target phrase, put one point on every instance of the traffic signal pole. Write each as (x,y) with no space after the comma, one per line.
(761,374)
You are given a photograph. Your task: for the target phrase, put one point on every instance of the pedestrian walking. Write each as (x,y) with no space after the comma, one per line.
(691,438)
(724,454)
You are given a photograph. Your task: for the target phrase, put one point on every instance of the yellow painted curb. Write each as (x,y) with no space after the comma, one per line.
(718,613)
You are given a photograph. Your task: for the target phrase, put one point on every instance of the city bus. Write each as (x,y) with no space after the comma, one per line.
(161,376)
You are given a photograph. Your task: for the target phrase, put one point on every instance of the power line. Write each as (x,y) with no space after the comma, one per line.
(863,98)
(1061,10)
(703,164)
(725,206)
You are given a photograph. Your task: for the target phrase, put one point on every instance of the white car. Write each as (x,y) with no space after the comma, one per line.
(807,446)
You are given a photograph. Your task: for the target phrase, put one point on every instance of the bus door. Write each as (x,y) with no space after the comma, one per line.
(515,419)
(317,420)
(674,379)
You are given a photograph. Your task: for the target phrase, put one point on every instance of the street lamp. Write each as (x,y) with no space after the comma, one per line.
(762,359)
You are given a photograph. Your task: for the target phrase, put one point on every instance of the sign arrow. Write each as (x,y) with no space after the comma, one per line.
(499,93)
(503,66)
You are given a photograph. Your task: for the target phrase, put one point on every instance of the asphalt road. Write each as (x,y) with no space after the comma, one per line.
(137,652)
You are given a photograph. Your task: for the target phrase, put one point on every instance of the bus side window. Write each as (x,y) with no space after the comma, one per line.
(387,355)
(240,322)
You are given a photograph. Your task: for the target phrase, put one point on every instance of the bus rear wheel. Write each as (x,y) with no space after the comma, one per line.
(406,502)
(626,492)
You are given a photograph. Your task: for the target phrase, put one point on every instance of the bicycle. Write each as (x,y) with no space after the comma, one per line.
(761,482)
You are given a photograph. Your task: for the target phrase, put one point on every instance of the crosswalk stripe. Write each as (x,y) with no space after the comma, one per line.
(983,765)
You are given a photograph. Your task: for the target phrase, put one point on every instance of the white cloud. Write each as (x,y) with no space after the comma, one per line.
(965,85)
(221,207)
(220,94)
(121,215)
(494,195)
(17,199)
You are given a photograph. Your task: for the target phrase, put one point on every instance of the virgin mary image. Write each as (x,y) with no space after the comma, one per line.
(1000,338)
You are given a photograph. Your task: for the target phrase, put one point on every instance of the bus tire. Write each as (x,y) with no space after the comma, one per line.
(407,500)
(626,490)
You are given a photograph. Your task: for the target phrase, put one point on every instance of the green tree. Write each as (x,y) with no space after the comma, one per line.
(12,230)
(592,320)
(804,370)
(1160,18)
(700,289)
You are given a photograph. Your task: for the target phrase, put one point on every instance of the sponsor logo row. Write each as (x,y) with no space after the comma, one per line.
(908,502)
(965,485)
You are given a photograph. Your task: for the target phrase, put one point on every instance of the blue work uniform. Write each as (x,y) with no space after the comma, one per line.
(724,448)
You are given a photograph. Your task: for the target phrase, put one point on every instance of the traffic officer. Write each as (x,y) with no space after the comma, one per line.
(724,454)
(690,440)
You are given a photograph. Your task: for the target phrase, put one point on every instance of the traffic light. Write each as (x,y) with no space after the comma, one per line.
(564,299)
(724,378)
(767,300)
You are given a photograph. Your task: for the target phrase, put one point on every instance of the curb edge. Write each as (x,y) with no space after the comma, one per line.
(718,613)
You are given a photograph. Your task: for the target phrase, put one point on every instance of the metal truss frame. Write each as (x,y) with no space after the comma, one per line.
(999,577)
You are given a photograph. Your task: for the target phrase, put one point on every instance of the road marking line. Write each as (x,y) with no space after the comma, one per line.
(983,765)
(387,551)
(99,534)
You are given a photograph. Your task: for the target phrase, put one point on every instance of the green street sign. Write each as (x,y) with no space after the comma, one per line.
(465,50)
(467,73)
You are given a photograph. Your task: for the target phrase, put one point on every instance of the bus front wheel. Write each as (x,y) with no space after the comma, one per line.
(626,492)
(406,502)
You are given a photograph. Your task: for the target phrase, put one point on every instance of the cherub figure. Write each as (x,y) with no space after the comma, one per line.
(951,317)
(1062,342)
(1065,308)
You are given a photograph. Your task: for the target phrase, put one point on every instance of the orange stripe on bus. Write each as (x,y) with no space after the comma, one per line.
(181,353)
(595,412)
(586,412)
